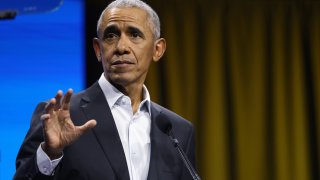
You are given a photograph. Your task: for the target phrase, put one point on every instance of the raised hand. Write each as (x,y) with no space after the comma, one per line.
(59,130)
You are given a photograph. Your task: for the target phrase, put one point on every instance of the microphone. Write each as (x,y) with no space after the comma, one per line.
(165,126)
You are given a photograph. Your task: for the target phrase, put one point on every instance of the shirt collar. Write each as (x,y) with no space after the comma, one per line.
(112,94)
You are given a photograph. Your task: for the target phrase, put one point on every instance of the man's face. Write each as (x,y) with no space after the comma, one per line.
(126,46)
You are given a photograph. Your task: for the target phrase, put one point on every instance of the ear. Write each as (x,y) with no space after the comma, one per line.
(96,47)
(159,49)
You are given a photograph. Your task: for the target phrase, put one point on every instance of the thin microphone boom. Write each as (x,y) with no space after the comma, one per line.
(165,126)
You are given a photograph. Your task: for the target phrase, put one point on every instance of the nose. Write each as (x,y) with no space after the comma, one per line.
(122,46)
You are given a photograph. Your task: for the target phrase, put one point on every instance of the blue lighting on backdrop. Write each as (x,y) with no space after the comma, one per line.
(39,54)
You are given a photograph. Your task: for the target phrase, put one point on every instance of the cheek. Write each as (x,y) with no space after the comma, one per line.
(146,54)
(107,54)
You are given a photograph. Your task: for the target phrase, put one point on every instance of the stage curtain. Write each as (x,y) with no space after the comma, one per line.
(247,75)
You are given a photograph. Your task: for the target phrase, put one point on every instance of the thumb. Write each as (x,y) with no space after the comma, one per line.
(88,125)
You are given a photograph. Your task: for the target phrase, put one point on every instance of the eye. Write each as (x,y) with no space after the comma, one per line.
(111,33)
(111,36)
(135,33)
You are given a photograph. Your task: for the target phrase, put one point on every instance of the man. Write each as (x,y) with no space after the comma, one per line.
(108,131)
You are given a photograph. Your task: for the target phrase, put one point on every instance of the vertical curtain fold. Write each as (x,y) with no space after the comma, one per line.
(315,32)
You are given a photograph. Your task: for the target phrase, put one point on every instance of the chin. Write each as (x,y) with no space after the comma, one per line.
(121,80)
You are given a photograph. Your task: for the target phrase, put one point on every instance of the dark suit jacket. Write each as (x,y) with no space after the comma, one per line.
(98,154)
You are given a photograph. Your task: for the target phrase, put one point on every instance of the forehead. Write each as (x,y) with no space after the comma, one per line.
(133,16)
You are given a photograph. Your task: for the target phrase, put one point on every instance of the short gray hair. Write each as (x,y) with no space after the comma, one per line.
(153,17)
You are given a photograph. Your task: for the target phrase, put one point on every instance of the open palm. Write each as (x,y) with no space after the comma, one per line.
(59,130)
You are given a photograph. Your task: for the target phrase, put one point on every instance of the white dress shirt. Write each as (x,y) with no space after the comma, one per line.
(133,129)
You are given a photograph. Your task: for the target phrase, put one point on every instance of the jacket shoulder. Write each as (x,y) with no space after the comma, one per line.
(173,117)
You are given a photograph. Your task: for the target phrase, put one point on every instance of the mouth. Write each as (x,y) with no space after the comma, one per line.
(121,62)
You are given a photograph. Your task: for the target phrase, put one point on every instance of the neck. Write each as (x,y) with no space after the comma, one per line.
(135,93)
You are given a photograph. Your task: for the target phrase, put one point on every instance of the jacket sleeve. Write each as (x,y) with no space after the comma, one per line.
(26,162)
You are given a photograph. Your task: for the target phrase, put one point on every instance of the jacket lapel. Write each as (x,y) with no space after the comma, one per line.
(96,107)
(157,138)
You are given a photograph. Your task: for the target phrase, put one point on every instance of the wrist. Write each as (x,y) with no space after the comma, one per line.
(52,153)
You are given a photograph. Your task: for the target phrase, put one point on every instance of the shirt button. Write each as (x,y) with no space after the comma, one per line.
(45,170)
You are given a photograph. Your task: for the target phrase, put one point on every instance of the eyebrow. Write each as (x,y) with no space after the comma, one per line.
(111,29)
(115,29)
(132,29)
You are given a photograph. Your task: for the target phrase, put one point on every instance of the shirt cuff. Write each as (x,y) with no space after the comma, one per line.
(45,165)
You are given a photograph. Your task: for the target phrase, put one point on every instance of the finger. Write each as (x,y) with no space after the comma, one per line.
(58,100)
(50,106)
(66,100)
(88,125)
(45,117)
